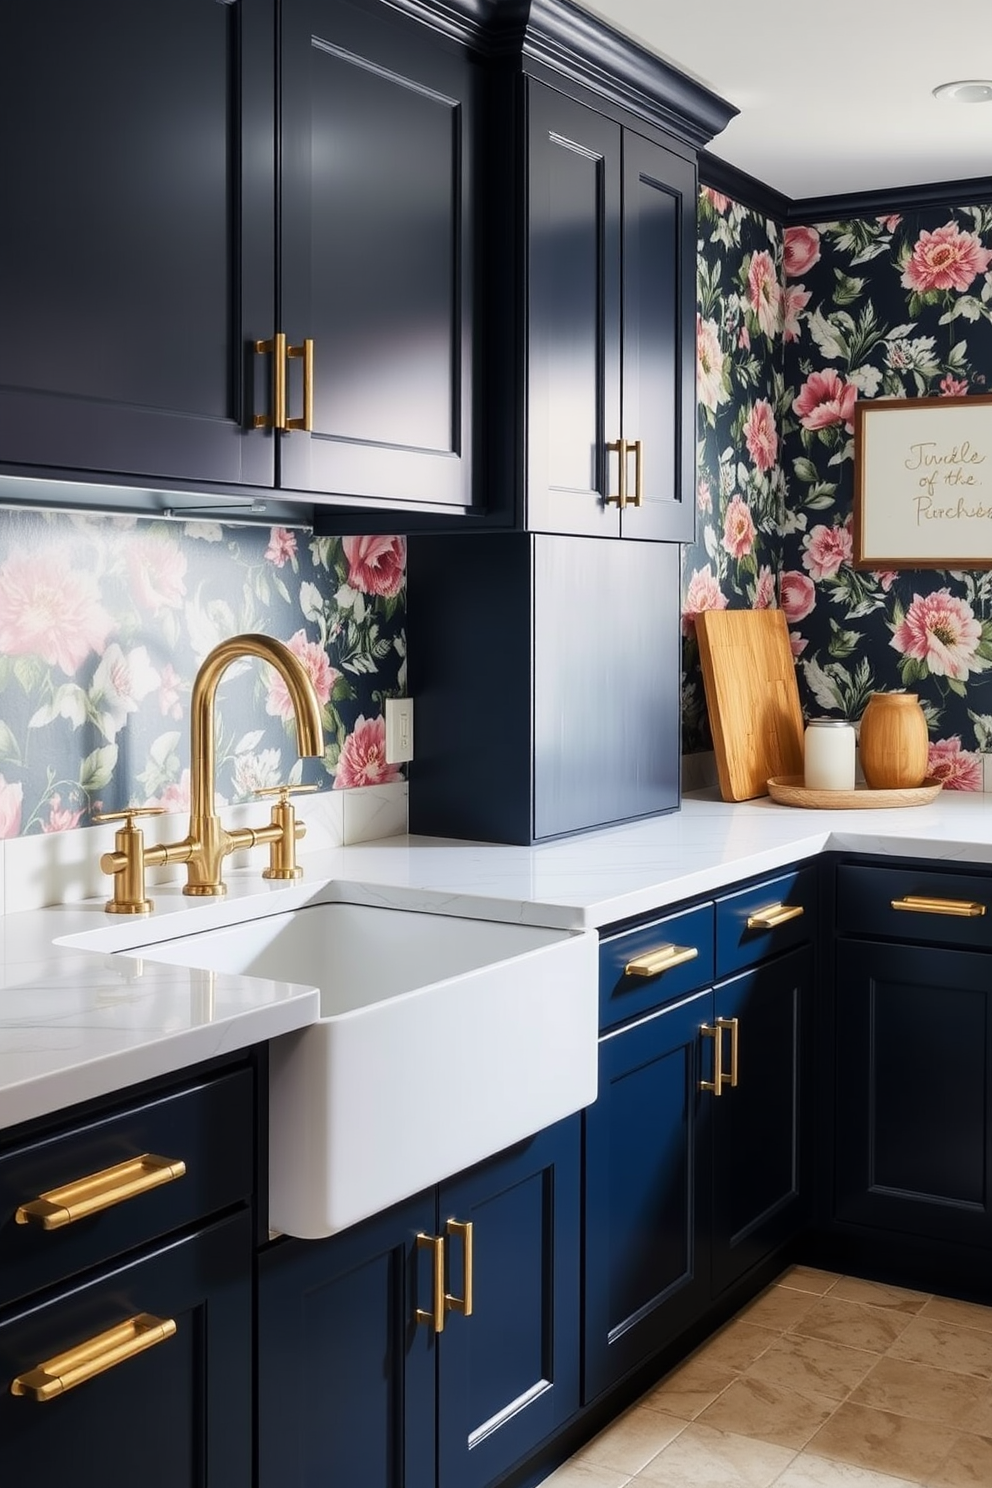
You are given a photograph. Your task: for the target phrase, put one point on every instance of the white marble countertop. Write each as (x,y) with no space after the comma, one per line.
(77,1020)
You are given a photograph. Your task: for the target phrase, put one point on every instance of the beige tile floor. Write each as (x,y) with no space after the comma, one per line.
(823,1381)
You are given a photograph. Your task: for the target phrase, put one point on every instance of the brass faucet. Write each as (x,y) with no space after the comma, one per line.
(207,842)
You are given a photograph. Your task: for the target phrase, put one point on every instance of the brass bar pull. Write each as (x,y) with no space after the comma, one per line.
(716,1034)
(774,915)
(619,447)
(305,350)
(734,1025)
(653,963)
(435,1317)
(77,1365)
(276,345)
(462,1304)
(99,1191)
(966,908)
(638,497)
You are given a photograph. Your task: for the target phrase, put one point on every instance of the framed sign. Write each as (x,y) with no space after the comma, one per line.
(923,483)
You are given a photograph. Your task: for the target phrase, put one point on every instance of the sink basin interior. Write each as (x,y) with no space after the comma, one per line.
(356,954)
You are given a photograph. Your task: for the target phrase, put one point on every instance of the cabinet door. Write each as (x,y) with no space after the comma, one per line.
(760,1193)
(914,1054)
(376,254)
(175,1415)
(136,266)
(659,344)
(345,1372)
(573,316)
(509,1373)
(647,1186)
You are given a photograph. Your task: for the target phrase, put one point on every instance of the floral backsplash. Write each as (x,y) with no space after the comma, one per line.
(793,327)
(105,620)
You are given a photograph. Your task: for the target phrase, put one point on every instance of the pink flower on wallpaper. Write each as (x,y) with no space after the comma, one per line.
(169,700)
(945,259)
(764,293)
(760,435)
(121,682)
(282,547)
(797,595)
(825,399)
(11,803)
(710,391)
(956,768)
(825,549)
(801,249)
(376,565)
(953,387)
(764,589)
(321,673)
(941,631)
(175,796)
(703,593)
(891,222)
(60,819)
(704,496)
(363,757)
(50,610)
(794,300)
(157,572)
(719,202)
(886,577)
(797,645)
(738,529)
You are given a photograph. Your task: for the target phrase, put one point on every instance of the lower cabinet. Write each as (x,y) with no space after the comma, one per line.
(435,1343)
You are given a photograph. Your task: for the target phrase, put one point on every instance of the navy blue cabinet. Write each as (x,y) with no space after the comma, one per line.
(611,244)
(436,1342)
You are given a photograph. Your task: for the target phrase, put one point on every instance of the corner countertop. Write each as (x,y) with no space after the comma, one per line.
(79,1020)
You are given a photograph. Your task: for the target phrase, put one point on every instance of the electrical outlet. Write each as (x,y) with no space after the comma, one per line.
(399,730)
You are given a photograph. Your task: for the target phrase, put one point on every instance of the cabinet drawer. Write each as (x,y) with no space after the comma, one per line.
(933,908)
(762,920)
(207,1127)
(626,994)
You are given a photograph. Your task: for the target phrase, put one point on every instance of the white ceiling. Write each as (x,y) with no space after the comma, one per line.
(833,99)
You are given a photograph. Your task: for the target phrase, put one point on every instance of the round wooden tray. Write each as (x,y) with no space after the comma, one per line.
(788,790)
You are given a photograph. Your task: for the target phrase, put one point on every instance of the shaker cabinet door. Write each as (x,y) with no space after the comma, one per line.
(376,247)
(136,264)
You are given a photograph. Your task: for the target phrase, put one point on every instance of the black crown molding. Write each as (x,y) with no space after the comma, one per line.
(787,211)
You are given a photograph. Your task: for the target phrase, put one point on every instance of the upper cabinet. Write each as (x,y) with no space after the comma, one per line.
(611,237)
(217,270)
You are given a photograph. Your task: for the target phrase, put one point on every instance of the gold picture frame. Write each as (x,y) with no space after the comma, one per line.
(923,483)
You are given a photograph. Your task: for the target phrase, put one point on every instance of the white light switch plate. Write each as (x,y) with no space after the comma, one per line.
(399,730)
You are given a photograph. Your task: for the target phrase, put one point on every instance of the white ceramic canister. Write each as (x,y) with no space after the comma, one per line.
(828,755)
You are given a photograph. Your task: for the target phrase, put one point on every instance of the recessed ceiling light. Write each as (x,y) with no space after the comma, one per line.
(968,90)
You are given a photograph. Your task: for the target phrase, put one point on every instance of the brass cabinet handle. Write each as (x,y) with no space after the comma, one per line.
(276,346)
(638,497)
(98,1191)
(967,908)
(435,1317)
(653,963)
(462,1304)
(734,1025)
(304,350)
(773,916)
(716,1034)
(619,447)
(77,1365)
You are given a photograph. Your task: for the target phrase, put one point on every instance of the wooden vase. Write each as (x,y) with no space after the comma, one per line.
(893,741)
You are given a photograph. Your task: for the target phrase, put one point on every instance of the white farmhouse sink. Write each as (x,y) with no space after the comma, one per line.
(440,1041)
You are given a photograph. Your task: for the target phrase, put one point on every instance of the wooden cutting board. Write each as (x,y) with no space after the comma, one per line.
(752,698)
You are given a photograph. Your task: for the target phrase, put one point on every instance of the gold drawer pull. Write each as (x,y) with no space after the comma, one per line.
(276,347)
(773,916)
(77,1365)
(716,1084)
(653,963)
(304,351)
(462,1304)
(967,908)
(63,1206)
(435,1317)
(638,497)
(734,1025)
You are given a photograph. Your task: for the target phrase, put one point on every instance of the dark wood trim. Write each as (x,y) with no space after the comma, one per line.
(748,190)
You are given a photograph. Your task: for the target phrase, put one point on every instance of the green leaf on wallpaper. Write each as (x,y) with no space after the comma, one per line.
(805,469)
(821,496)
(10,751)
(97,768)
(823,686)
(983,730)
(280,587)
(912,670)
(847,289)
(842,642)
(249,741)
(828,336)
(956,686)
(957,354)
(29,673)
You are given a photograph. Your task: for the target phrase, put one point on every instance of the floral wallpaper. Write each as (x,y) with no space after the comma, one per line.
(793,327)
(105,620)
